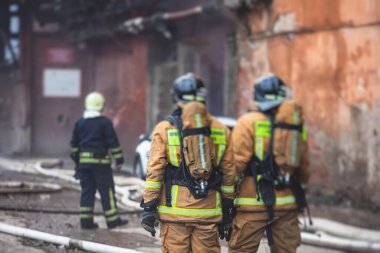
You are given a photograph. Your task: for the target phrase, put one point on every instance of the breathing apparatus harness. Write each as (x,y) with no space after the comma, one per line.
(181,175)
(267,178)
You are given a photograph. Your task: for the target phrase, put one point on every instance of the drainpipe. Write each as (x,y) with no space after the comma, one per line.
(157,20)
(62,240)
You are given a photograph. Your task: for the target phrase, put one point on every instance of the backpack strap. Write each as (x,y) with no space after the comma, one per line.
(183,172)
(289,126)
(268,171)
(170,170)
(273,169)
(300,195)
(196,131)
(295,186)
(183,176)
(273,172)
(264,173)
(175,121)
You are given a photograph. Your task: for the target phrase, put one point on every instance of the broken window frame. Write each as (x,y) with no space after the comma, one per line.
(10,35)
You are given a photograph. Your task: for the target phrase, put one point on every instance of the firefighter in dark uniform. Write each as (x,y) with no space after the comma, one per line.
(93,143)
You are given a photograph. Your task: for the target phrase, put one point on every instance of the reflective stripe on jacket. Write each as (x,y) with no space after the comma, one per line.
(165,149)
(252,135)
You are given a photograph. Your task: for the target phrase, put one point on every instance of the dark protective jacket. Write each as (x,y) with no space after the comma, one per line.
(93,141)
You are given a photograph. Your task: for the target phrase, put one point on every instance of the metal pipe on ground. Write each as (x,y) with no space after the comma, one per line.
(124,191)
(54,173)
(9,187)
(327,241)
(365,244)
(342,230)
(17,166)
(67,212)
(62,240)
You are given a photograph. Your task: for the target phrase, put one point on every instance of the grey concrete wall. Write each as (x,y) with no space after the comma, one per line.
(14,127)
(350,163)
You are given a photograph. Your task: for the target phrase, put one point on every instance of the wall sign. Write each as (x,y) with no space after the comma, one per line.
(60,55)
(61,82)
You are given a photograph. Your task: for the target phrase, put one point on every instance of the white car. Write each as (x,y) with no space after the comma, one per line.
(143,148)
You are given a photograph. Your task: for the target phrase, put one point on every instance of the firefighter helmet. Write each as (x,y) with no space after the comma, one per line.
(269,92)
(187,88)
(94,101)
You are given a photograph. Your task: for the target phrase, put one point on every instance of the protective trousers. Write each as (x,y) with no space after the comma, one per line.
(189,237)
(248,232)
(97,179)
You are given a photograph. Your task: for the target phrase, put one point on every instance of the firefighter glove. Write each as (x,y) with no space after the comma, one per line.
(225,228)
(75,157)
(149,221)
(150,218)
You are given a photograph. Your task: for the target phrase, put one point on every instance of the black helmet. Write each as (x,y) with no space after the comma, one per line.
(187,88)
(269,92)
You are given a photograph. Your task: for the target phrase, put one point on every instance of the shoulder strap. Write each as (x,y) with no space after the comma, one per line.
(268,160)
(189,182)
(272,165)
(184,170)
(175,121)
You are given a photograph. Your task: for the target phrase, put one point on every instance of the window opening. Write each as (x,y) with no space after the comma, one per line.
(9,34)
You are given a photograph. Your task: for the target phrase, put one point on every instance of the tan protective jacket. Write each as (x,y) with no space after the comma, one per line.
(245,144)
(165,149)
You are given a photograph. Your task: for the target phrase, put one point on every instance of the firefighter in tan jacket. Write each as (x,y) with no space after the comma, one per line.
(190,212)
(273,205)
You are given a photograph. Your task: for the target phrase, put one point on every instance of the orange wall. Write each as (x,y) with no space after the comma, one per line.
(329,52)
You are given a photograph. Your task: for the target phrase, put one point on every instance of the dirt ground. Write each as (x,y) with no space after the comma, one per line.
(131,236)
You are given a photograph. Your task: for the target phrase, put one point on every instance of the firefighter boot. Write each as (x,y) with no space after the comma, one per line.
(117,223)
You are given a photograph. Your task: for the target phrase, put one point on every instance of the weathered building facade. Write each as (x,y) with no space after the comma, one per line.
(128,50)
(329,53)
